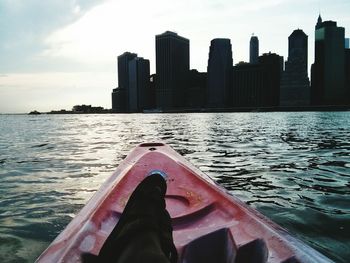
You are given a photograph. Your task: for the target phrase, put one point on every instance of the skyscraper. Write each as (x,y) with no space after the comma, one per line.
(172,67)
(347,73)
(219,73)
(139,85)
(328,71)
(197,87)
(272,65)
(257,85)
(295,82)
(249,87)
(347,43)
(254,50)
(120,95)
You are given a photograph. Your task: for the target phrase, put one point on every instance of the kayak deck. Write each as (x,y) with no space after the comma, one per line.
(201,212)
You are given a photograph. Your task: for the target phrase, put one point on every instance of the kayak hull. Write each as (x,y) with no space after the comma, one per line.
(197,205)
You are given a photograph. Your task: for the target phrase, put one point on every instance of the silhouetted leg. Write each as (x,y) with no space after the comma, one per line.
(144,232)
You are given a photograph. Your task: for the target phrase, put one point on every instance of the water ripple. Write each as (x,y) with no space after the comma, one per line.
(293,167)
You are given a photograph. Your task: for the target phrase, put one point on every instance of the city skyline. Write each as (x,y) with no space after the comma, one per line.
(267,81)
(70,70)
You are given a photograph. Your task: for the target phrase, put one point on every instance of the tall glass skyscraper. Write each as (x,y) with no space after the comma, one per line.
(328,71)
(172,67)
(220,65)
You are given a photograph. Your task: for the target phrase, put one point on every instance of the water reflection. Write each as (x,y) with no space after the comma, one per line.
(293,167)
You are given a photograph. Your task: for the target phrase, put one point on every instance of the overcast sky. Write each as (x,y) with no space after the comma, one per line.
(55,54)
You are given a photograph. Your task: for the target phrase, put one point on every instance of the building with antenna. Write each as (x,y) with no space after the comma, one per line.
(328,80)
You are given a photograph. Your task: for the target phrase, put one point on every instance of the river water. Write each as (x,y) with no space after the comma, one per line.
(293,167)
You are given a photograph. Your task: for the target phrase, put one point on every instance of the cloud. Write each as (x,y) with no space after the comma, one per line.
(105,31)
(81,34)
(25,24)
(56,35)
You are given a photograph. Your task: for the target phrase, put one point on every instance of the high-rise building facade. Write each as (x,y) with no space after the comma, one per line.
(153,86)
(328,72)
(347,74)
(123,69)
(254,50)
(196,92)
(295,85)
(172,69)
(272,65)
(118,100)
(139,85)
(220,64)
(120,95)
(248,85)
(257,85)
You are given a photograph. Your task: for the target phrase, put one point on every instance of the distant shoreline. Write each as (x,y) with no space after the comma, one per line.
(213,110)
(204,110)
